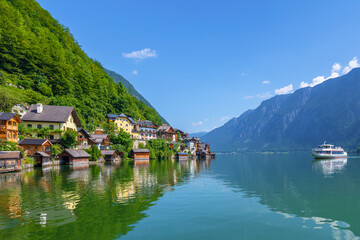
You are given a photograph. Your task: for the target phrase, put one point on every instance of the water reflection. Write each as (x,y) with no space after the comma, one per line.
(330,166)
(291,185)
(94,202)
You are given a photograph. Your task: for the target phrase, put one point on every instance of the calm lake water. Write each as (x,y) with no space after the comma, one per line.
(244,196)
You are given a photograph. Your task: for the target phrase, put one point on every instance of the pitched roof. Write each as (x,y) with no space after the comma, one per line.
(43,154)
(99,136)
(107,152)
(33,141)
(10,155)
(131,120)
(6,116)
(122,115)
(140,150)
(77,153)
(111,115)
(182,153)
(51,114)
(164,128)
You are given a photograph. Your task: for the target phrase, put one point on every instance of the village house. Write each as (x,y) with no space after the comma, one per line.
(74,157)
(9,127)
(125,123)
(147,129)
(166,132)
(10,161)
(32,145)
(190,144)
(52,117)
(85,140)
(102,141)
(183,135)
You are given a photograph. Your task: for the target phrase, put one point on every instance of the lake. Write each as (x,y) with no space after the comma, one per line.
(235,196)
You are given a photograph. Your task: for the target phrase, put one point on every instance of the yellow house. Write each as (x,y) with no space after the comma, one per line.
(125,123)
(54,117)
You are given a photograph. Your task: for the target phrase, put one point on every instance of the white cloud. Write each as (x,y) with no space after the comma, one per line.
(222,119)
(248,97)
(141,54)
(335,72)
(198,123)
(352,64)
(265,82)
(135,72)
(336,67)
(285,90)
(264,95)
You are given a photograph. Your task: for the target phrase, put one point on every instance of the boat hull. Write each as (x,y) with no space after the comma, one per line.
(329,156)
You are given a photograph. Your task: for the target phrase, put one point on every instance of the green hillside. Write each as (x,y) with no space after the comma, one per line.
(118,78)
(40,61)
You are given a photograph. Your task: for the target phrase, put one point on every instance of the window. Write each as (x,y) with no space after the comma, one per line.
(14,123)
(48,149)
(39,126)
(51,136)
(51,127)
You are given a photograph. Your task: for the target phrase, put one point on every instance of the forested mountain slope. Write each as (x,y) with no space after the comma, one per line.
(327,112)
(40,61)
(118,78)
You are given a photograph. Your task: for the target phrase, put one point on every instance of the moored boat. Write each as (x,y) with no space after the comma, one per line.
(328,151)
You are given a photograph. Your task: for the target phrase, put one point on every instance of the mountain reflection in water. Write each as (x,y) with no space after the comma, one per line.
(87,202)
(242,196)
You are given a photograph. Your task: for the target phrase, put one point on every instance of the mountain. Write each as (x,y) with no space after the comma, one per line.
(299,121)
(198,134)
(40,61)
(118,78)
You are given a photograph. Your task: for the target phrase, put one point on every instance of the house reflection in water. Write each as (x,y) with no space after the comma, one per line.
(330,166)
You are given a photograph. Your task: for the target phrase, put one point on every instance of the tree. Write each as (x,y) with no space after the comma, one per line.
(56,150)
(178,137)
(68,139)
(2,78)
(94,152)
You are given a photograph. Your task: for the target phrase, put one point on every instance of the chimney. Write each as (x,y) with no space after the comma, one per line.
(39,108)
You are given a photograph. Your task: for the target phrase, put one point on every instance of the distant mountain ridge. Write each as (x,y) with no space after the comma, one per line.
(198,134)
(299,121)
(118,78)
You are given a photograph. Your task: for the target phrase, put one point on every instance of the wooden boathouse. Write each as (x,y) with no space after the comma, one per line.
(10,161)
(140,154)
(182,156)
(42,159)
(74,157)
(110,155)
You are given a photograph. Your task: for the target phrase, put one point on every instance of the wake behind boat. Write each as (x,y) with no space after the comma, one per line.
(328,151)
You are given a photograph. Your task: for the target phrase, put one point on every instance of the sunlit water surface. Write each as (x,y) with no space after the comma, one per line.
(243,196)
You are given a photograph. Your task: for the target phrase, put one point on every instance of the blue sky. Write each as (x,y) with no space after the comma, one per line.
(201,63)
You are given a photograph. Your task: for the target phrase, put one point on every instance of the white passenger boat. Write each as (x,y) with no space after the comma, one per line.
(328,151)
